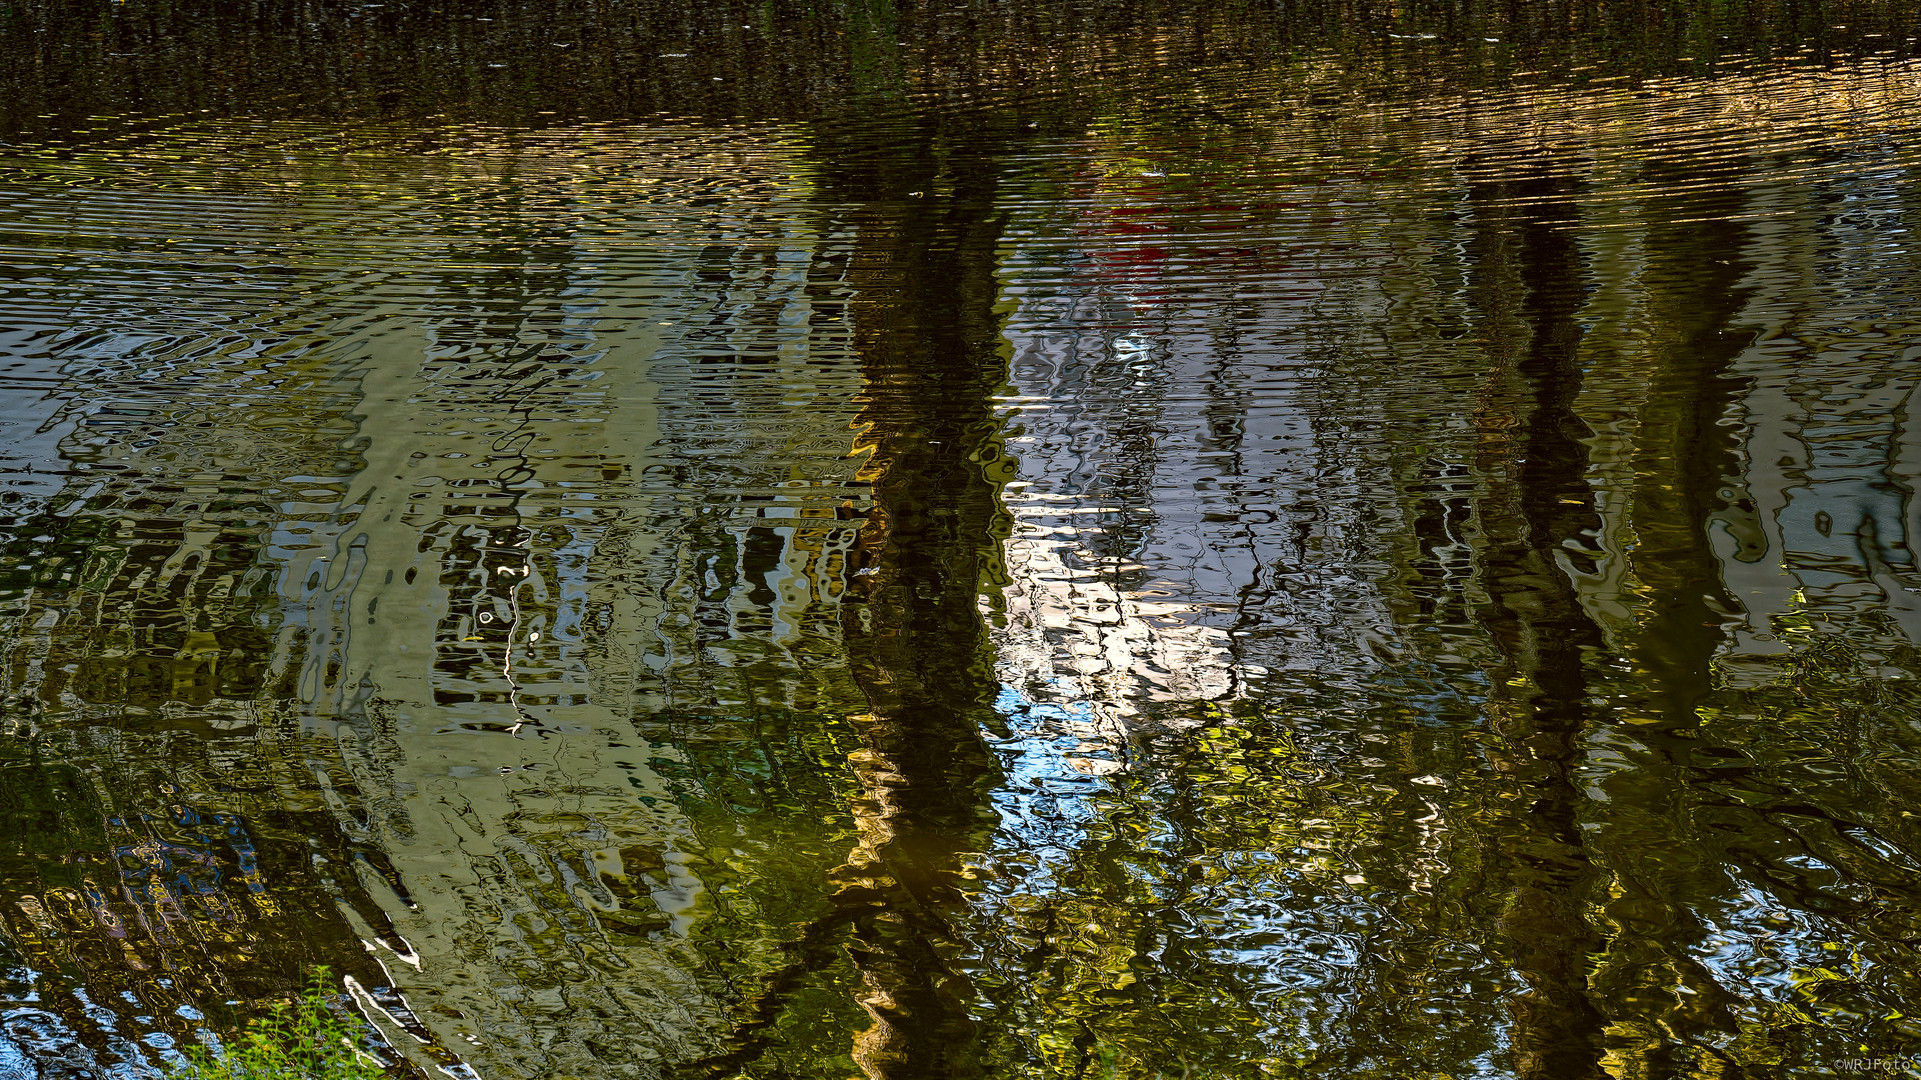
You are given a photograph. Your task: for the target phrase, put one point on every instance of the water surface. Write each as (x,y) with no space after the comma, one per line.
(1097,541)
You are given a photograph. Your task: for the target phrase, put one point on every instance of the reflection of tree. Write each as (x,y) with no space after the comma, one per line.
(922,271)
(1528,287)
(268,569)
(159,896)
(165,850)
(1725,794)
(915,637)
(1675,463)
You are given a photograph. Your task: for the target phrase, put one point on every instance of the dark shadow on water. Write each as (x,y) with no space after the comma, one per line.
(919,249)
(1528,286)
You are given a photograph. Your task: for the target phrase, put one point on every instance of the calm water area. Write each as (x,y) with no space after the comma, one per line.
(962,539)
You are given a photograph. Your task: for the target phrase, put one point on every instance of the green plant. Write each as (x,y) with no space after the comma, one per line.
(312,1038)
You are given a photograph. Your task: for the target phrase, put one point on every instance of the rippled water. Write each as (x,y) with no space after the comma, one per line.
(1164,547)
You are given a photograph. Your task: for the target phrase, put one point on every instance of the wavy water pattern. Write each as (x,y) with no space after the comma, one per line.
(1205,563)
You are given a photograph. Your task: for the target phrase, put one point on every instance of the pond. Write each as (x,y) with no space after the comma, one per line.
(1073,539)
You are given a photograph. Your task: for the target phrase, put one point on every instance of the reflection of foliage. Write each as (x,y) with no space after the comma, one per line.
(1795,784)
(767,797)
(1236,906)
(311,1039)
(145,863)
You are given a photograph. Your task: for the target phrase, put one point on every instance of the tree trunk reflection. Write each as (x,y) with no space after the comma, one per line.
(922,268)
(1529,288)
